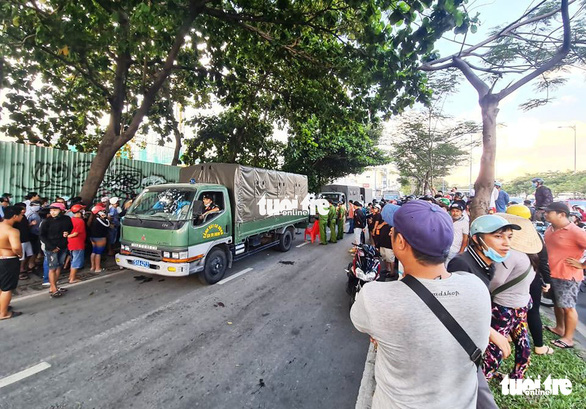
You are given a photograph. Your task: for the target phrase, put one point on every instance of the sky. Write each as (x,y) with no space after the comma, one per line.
(527,142)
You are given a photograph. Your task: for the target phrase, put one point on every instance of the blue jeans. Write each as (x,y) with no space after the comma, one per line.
(45,270)
(351,223)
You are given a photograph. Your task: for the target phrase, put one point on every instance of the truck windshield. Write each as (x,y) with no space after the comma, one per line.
(330,196)
(159,203)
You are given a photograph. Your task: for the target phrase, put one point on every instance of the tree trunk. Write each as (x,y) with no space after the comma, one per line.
(485,181)
(175,160)
(106,151)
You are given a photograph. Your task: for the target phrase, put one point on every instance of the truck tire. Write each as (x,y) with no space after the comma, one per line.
(286,241)
(215,267)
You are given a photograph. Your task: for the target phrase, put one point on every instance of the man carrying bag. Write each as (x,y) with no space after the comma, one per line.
(420,363)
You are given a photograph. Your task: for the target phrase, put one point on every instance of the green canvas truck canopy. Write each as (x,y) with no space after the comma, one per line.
(247,185)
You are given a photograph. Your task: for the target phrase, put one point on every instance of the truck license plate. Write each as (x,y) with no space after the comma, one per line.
(141,263)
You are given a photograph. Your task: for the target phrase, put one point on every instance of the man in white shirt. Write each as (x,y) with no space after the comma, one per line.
(419,363)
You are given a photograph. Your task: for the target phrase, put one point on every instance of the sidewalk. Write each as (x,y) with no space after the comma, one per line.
(368,384)
(35,282)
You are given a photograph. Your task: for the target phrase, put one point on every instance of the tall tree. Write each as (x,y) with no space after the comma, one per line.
(426,148)
(323,150)
(538,42)
(234,137)
(346,59)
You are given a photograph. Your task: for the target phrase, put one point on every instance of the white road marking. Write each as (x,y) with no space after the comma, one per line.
(232,277)
(303,244)
(9,380)
(67,285)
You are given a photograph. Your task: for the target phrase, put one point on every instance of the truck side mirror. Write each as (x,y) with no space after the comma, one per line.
(197,208)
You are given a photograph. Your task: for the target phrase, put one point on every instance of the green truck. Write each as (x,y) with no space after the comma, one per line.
(217,214)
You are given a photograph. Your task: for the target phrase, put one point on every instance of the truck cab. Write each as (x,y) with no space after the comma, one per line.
(169,231)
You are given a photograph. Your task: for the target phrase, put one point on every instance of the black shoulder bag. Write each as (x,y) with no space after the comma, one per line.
(446,318)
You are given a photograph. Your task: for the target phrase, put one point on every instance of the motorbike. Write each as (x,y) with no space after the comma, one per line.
(364,268)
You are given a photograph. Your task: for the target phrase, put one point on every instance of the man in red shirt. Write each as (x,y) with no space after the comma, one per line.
(565,243)
(76,242)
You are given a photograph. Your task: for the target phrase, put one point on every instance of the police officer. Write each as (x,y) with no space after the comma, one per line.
(332,222)
(323,223)
(341,215)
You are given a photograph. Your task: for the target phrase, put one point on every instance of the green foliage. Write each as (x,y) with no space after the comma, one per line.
(558,182)
(303,57)
(426,154)
(234,137)
(68,65)
(325,151)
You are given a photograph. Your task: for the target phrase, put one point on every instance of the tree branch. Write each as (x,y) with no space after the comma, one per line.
(514,25)
(471,76)
(556,59)
(149,96)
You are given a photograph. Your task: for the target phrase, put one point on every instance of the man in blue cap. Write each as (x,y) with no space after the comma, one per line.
(419,363)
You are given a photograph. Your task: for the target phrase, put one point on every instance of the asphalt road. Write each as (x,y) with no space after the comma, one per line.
(278,336)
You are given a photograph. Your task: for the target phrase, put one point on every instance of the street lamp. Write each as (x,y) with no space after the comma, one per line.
(574,128)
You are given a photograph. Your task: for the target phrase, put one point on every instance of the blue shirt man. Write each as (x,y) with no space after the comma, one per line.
(503,199)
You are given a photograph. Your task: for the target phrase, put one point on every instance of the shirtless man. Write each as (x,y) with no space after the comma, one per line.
(10,254)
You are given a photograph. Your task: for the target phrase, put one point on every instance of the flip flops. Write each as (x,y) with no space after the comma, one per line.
(561,344)
(13,315)
(56,294)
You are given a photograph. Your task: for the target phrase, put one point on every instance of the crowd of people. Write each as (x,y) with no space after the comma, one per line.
(45,238)
(488,275)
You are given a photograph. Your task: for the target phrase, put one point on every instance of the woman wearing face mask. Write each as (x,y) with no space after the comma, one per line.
(489,243)
(98,232)
(511,298)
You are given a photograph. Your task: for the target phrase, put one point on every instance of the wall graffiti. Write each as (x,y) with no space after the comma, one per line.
(63,173)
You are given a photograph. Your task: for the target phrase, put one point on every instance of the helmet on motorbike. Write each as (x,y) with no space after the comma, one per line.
(538,180)
(519,210)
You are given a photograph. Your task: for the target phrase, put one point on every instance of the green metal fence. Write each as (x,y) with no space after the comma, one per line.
(55,172)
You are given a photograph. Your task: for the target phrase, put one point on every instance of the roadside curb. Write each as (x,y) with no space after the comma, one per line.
(368,384)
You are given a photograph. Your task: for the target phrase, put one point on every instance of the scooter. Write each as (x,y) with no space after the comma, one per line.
(364,268)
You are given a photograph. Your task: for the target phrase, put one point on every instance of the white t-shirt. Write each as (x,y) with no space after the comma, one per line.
(419,363)
(493,197)
(461,228)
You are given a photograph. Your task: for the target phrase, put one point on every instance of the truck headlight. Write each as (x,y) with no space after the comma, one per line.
(175,255)
(166,254)
(183,255)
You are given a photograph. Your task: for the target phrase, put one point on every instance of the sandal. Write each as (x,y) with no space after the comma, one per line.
(56,294)
(561,344)
(548,350)
(61,289)
(13,315)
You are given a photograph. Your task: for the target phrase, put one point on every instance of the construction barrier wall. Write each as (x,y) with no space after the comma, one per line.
(54,172)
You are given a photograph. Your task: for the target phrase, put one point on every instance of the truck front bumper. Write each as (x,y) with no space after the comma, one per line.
(158,267)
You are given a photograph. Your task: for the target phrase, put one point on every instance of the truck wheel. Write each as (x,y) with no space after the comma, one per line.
(286,241)
(215,267)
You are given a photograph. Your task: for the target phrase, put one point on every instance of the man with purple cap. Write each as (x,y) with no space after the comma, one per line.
(54,232)
(419,363)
